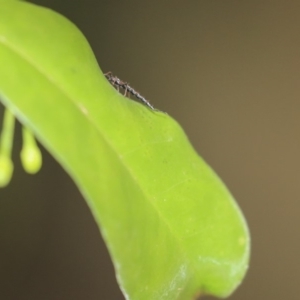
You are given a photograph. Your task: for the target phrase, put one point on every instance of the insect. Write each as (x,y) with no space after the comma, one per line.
(116,82)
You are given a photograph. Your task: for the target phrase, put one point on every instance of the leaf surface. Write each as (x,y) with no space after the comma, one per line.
(171,226)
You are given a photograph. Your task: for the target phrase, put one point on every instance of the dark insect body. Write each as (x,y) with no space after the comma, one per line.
(116,82)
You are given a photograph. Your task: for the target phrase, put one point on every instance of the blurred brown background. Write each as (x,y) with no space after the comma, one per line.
(229,72)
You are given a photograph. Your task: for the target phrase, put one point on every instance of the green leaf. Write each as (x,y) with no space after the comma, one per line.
(170,224)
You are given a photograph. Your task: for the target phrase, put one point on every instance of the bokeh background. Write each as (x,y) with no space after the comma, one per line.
(229,72)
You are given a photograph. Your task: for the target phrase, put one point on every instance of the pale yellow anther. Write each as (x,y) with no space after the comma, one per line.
(31,156)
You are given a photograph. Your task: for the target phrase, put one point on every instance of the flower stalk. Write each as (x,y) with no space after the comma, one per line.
(6,143)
